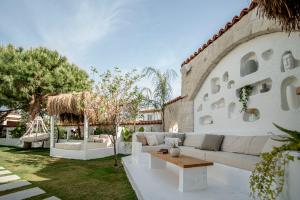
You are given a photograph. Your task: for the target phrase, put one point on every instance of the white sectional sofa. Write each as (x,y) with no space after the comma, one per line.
(236,151)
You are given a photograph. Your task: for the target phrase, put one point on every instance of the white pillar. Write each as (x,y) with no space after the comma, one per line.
(85,132)
(51,131)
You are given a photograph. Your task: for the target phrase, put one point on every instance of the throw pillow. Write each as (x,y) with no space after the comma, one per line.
(142,139)
(180,136)
(171,141)
(212,142)
(151,140)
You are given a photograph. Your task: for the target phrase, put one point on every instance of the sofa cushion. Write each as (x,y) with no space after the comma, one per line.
(241,161)
(172,141)
(244,144)
(180,136)
(193,140)
(160,138)
(152,140)
(212,142)
(142,139)
(268,147)
(191,151)
(154,148)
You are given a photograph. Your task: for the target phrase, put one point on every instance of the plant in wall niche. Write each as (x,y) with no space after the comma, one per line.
(244,94)
(267,179)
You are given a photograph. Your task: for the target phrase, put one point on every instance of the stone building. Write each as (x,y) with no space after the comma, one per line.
(248,51)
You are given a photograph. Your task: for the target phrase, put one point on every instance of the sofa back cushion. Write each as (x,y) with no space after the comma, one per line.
(142,139)
(268,147)
(180,136)
(212,142)
(151,140)
(160,136)
(193,140)
(251,145)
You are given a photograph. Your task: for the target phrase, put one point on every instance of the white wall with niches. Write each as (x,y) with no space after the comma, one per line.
(271,64)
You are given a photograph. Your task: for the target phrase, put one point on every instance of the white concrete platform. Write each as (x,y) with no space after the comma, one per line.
(13,185)
(52,198)
(3,172)
(1,168)
(224,183)
(24,194)
(5,179)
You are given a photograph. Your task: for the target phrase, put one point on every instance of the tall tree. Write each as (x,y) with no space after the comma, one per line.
(162,88)
(29,76)
(119,99)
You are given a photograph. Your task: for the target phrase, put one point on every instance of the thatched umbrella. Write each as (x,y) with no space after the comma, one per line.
(285,12)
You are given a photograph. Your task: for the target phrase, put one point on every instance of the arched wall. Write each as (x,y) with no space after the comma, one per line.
(258,62)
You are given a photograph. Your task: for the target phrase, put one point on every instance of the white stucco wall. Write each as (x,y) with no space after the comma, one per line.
(273,106)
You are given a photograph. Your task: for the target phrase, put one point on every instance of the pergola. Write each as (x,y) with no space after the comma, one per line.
(83,106)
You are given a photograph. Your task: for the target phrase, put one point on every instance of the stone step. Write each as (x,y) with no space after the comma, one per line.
(13,185)
(52,198)
(24,194)
(3,172)
(5,179)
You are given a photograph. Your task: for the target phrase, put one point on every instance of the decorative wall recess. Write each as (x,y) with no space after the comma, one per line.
(266,55)
(215,85)
(199,108)
(249,64)
(225,77)
(205,97)
(251,115)
(232,110)
(289,62)
(289,98)
(206,119)
(218,104)
(259,87)
(230,84)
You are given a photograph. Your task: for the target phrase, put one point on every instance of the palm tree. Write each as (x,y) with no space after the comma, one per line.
(162,88)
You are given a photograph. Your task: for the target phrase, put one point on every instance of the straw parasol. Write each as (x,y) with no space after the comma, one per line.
(286,12)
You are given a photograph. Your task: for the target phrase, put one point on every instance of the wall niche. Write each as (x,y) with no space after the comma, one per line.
(259,87)
(230,84)
(218,104)
(288,61)
(249,64)
(251,115)
(215,85)
(289,98)
(232,110)
(266,55)
(206,120)
(205,97)
(225,77)
(199,108)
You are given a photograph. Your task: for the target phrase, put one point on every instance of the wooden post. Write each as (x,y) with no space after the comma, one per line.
(51,131)
(85,132)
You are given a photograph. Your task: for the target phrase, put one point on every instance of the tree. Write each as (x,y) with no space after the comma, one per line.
(162,88)
(29,76)
(119,98)
(285,12)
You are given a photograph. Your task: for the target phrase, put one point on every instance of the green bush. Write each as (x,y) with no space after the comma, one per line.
(19,131)
(127,134)
(141,129)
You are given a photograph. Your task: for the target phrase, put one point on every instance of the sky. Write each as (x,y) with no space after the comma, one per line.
(129,34)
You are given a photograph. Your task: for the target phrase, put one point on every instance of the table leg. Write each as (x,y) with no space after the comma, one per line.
(192,179)
(156,163)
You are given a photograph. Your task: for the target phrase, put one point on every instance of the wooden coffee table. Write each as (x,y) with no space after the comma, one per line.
(192,171)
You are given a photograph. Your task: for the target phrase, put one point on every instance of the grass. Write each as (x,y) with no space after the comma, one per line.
(65,178)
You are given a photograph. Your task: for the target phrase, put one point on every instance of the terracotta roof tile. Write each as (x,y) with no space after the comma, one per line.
(234,20)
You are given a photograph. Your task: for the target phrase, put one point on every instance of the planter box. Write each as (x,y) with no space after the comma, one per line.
(125,148)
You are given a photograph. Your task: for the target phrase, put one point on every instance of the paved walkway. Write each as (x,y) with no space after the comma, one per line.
(9,181)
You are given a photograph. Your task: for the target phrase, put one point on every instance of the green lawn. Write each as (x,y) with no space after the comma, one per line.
(68,179)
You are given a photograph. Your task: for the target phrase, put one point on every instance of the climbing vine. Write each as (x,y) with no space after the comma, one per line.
(244,96)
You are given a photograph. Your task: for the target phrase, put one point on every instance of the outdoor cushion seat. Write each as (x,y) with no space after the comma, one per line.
(238,160)
(68,145)
(154,148)
(192,152)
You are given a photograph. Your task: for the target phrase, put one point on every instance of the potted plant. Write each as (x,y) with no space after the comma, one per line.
(125,145)
(276,176)
(174,150)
